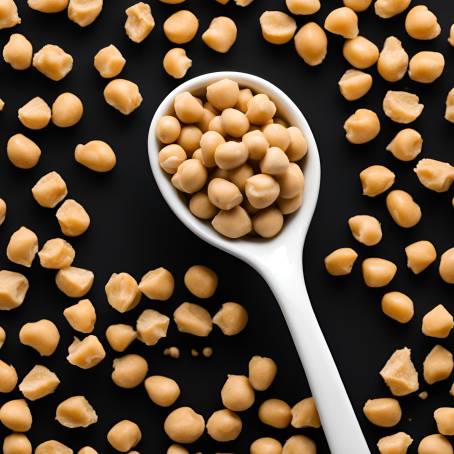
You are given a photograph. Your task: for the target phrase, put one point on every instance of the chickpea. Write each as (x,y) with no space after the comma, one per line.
(35,114)
(124,435)
(299,443)
(265,445)
(129,371)
(9,16)
(421,23)
(56,254)
(237,393)
(193,319)
(262,372)
(342,21)
(435,175)
(209,141)
(378,272)
(358,5)
(224,425)
(360,52)
(184,425)
(53,62)
(109,61)
(123,95)
(303,7)
(375,180)
(260,109)
(181,27)
(76,412)
(157,284)
(2,336)
(18,52)
(43,336)
(230,155)
(81,316)
(16,415)
(22,247)
(120,336)
(394,444)
(50,190)
(403,209)
(221,34)
(38,383)
(48,6)
(406,145)
(17,444)
(297,148)
(177,449)
(90,450)
(311,43)
(435,444)
(122,292)
(168,129)
(96,155)
(176,63)
(401,106)
(277,27)
(444,417)
(232,318)
(72,218)
(449,112)
(234,223)
(84,12)
(365,229)
(163,391)
(190,177)
(362,127)
(420,255)
(151,326)
(354,84)
(437,323)
(398,306)
(201,206)
(277,135)
(204,123)
(187,108)
(223,94)
(139,22)
(446,268)
(262,190)
(240,175)
(189,139)
(8,377)
(393,60)
(275,162)
(268,222)
(74,282)
(340,262)
(86,353)
(13,288)
(275,413)
(223,194)
(3,210)
(390,8)
(399,373)
(305,414)
(170,158)
(245,95)
(425,67)
(256,144)
(438,366)
(67,110)
(53,446)
(234,122)
(384,412)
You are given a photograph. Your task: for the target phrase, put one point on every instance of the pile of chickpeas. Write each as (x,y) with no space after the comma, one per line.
(235,158)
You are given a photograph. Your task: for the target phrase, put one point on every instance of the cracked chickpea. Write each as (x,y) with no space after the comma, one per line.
(232,318)
(9,16)
(262,372)
(221,34)
(43,336)
(22,247)
(421,23)
(426,67)
(354,84)
(72,218)
(176,63)
(193,319)
(13,289)
(50,190)
(362,127)
(35,114)
(96,155)
(403,209)
(139,22)
(224,425)
(16,415)
(437,365)
(266,445)
(74,282)
(120,336)
(67,110)
(76,412)
(435,175)
(109,62)
(365,229)
(398,306)
(53,62)
(277,27)
(420,255)
(129,371)
(86,353)
(401,106)
(237,393)
(383,412)
(163,391)
(340,262)
(124,435)
(397,443)
(393,60)
(181,27)
(378,272)
(342,21)
(184,425)
(376,180)
(360,52)
(18,52)
(311,43)
(406,145)
(84,12)
(123,95)
(122,292)
(48,6)
(151,326)
(17,443)
(81,316)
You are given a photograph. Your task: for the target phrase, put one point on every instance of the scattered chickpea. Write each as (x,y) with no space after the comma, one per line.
(176,63)
(43,336)
(342,21)
(425,67)
(124,435)
(435,175)
(224,425)
(22,247)
(17,444)
(56,254)
(221,34)
(86,353)
(376,179)
(163,391)
(123,95)
(122,292)
(365,229)
(139,22)
(398,306)
(277,27)
(90,450)
(120,336)
(18,52)
(403,209)
(73,219)
(420,255)
(67,110)
(299,443)
(96,155)
(437,365)
(358,5)
(265,445)
(237,393)
(311,43)
(35,114)
(2,336)
(9,14)
(50,190)
(53,62)
(152,326)
(383,412)
(193,319)
(83,12)
(176,449)
(390,8)
(360,52)
(397,443)
(303,7)
(81,316)
(3,210)
(109,62)
(305,414)
(48,6)
(184,425)
(378,272)
(362,127)
(201,281)
(74,282)
(53,446)
(76,412)
(8,377)
(340,262)
(393,60)
(435,444)
(449,112)
(444,417)
(38,383)
(402,107)
(16,415)
(157,284)
(181,27)
(446,268)
(406,145)
(421,23)
(231,318)
(354,84)
(13,289)
(438,322)
(207,352)
(129,371)
(262,372)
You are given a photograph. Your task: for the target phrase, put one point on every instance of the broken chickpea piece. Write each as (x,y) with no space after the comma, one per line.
(152,326)
(73,219)
(438,365)
(362,127)
(76,412)
(43,336)
(81,316)
(305,414)
(383,412)
(74,282)
(193,319)
(22,247)
(53,62)
(420,255)
(13,289)
(232,318)
(438,322)
(393,60)
(139,22)
(365,229)
(157,284)
(86,353)
(176,63)
(84,12)
(56,254)
(123,95)
(122,292)
(401,106)
(50,190)
(38,383)
(375,180)
(435,175)
(120,336)
(340,262)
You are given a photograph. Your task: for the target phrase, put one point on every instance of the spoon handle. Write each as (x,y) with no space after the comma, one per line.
(339,421)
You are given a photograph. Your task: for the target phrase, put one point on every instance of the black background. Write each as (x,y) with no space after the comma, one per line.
(133,230)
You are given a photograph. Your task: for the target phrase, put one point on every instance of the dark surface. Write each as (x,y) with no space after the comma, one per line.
(133,230)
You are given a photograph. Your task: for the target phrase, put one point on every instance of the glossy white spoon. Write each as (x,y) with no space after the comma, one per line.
(279,261)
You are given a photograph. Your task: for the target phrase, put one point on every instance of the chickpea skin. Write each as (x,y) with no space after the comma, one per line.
(72,218)
(342,21)
(265,445)
(360,52)
(224,425)
(17,443)
(35,114)
(123,95)
(354,84)
(184,425)
(277,27)
(83,12)
(22,247)
(311,43)
(362,127)
(48,6)
(444,417)
(398,306)
(181,27)
(16,415)
(129,371)
(53,62)
(237,393)
(421,23)
(9,16)
(43,336)
(124,435)
(96,155)
(393,60)
(435,444)
(403,209)
(109,62)
(340,262)
(8,377)
(13,289)
(365,229)
(50,190)
(221,34)
(176,63)
(384,412)
(163,391)
(420,255)
(262,372)
(139,22)
(18,52)
(120,336)
(378,272)
(395,444)
(426,67)
(67,110)
(406,145)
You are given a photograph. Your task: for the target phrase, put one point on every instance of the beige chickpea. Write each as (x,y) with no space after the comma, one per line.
(435,175)
(35,114)
(193,319)
(358,5)
(176,63)
(406,145)
(189,139)
(76,412)
(67,110)
(399,373)
(360,52)
(139,22)
(53,446)
(437,365)
(74,282)
(13,288)
(303,7)
(265,445)
(305,414)
(86,353)
(184,425)
(187,108)
(342,21)
(232,318)
(122,292)
(435,444)
(123,95)
(277,27)
(223,194)
(421,23)
(298,146)
(444,417)
(38,383)
(362,127)
(451,35)
(299,443)
(163,391)
(129,371)
(22,247)
(277,135)
(449,112)
(181,27)
(256,144)
(438,322)
(262,372)
(390,8)
(240,175)
(262,190)
(2,336)
(72,218)
(96,155)
(223,94)
(124,435)
(90,450)
(157,284)
(16,415)
(224,425)
(234,122)
(354,84)
(365,229)
(9,16)
(401,106)
(50,190)
(425,67)
(207,117)
(397,443)
(268,222)
(275,413)
(234,223)
(56,254)
(311,43)
(84,12)
(383,412)
(17,443)
(109,61)
(403,209)
(393,60)
(151,326)
(398,306)
(230,155)
(376,179)
(53,62)
(3,209)
(237,393)
(260,109)
(201,206)
(275,162)
(420,255)
(221,34)
(43,336)
(8,377)
(170,158)
(340,262)
(81,316)
(378,272)
(446,268)
(120,336)
(18,52)
(244,97)
(209,141)
(177,449)
(190,177)
(168,129)
(48,6)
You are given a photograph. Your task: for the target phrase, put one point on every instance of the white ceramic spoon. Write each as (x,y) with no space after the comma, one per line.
(279,261)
